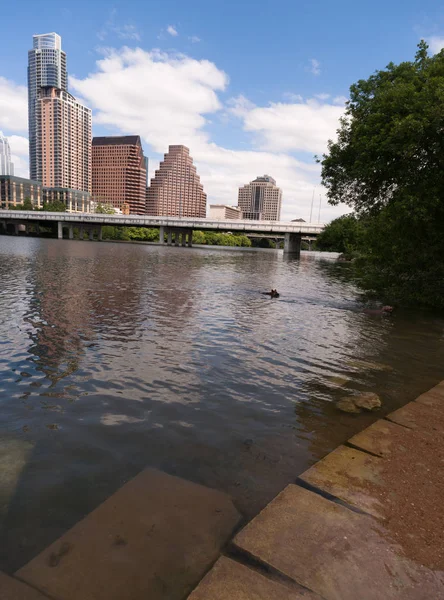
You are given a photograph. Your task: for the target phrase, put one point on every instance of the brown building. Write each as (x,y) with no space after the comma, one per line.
(176,190)
(65,141)
(119,172)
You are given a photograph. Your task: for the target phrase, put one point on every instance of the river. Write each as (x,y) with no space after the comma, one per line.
(114,357)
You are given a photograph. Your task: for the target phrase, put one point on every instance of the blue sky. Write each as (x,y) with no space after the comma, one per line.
(251,87)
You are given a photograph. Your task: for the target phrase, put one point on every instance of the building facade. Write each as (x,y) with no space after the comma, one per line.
(221,211)
(46,68)
(261,200)
(176,189)
(15,190)
(74,200)
(6,165)
(66,131)
(119,172)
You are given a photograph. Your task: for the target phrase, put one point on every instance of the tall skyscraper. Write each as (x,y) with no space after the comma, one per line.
(176,189)
(6,165)
(260,200)
(66,131)
(46,68)
(119,172)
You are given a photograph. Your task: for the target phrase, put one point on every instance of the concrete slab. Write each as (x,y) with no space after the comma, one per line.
(380,438)
(339,554)
(12,589)
(434,397)
(419,415)
(154,538)
(345,473)
(229,580)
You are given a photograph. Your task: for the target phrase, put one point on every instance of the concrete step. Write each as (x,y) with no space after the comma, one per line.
(12,589)
(153,539)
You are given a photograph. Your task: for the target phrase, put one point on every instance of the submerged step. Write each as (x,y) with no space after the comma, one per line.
(154,538)
(12,589)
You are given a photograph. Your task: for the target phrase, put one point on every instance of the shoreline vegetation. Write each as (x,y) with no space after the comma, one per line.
(387,165)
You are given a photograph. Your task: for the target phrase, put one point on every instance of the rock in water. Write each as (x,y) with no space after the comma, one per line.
(368,401)
(347,405)
(355,404)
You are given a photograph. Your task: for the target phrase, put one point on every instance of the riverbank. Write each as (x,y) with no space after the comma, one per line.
(364,522)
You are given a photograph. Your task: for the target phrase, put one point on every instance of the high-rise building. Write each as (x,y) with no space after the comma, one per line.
(176,189)
(46,68)
(261,199)
(66,131)
(119,172)
(15,190)
(6,165)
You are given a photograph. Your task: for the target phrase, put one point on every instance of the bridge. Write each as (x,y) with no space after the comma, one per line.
(177,230)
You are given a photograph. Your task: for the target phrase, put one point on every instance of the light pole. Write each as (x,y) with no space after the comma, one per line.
(312,200)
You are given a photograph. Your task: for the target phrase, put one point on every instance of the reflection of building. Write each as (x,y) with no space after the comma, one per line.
(119,172)
(15,190)
(176,189)
(65,140)
(6,166)
(261,199)
(46,68)
(221,211)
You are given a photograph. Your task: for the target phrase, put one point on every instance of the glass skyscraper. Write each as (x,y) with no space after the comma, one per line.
(6,166)
(46,68)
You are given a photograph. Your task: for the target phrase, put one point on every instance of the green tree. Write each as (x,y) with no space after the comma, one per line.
(341,235)
(388,165)
(104,209)
(55,206)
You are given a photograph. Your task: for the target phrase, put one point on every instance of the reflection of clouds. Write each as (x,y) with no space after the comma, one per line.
(113,419)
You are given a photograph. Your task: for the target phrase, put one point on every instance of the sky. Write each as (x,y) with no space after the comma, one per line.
(251,88)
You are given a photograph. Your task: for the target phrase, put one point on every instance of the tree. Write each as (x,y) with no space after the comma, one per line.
(55,206)
(388,165)
(105,209)
(343,234)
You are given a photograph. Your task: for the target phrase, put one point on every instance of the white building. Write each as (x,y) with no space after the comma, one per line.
(261,200)
(6,165)
(222,211)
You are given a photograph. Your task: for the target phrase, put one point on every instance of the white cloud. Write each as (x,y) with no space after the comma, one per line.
(303,126)
(125,31)
(436,44)
(168,98)
(322,96)
(291,97)
(194,39)
(13,106)
(314,66)
(171,29)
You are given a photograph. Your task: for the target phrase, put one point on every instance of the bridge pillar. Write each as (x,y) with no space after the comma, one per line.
(176,237)
(184,238)
(16,229)
(3,227)
(91,234)
(60,230)
(99,233)
(161,234)
(81,235)
(190,238)
(37,229)
(71,232)
(292,244)
(170,237)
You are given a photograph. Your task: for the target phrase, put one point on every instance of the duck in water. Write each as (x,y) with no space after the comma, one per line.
(272,294)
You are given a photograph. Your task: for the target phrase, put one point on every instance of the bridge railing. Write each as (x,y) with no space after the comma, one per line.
(176,222)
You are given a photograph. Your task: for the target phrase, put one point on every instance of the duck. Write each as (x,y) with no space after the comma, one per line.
(272,294)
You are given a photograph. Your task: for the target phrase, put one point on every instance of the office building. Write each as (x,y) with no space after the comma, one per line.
(119,173)
(15,190)
(176,189)
(6,166)
(260,200)
(74,200)
(221,211)
(66,130)
(46,68)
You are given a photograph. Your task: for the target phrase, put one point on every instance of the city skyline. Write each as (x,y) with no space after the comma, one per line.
(6,164)
(241,105)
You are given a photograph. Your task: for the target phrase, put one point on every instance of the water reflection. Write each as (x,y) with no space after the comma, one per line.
(114,357)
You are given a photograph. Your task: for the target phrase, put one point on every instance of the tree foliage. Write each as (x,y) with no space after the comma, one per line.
(343,234)
(388,165)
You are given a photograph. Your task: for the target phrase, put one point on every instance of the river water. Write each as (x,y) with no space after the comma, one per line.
(114,357)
